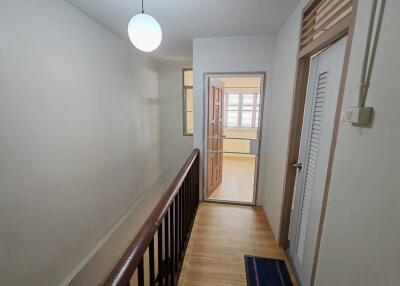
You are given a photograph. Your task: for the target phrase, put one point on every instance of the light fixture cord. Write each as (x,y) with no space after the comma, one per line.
(142,7)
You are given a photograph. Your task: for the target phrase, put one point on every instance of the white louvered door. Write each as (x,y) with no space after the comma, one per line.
(319,115)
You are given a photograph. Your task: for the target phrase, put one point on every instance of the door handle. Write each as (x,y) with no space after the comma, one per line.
(298,165)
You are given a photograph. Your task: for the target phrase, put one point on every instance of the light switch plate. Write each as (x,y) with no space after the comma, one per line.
(357,115)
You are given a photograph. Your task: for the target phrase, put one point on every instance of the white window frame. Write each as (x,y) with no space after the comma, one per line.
(254,122)
(185,88)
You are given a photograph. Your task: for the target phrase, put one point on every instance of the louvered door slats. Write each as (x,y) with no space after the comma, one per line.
(311,160)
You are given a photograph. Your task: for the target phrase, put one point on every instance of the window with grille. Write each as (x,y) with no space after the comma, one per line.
(187,102)
(241,110)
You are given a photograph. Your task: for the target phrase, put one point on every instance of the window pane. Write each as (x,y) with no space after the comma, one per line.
(189,122)
(232,102)
(232,119)
(233,99)
(247,103)
(256,123)
(189,99)
(258,102)
(248,99)
(188,78)
(188,102)
(246,119)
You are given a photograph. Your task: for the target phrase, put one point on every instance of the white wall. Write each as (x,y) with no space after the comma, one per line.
(175,148)
(362,227)
(79,138)
(229,54)
(278,118)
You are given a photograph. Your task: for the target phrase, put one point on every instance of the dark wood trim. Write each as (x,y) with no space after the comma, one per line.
(133,256)
(296,124)
(342,28)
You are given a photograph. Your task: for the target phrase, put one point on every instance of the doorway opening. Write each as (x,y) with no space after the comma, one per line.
(233,117)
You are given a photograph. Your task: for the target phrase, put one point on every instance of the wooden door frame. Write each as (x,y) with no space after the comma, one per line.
(338,31)
(206,76)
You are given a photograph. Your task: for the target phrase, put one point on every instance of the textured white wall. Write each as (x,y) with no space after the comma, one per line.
(175,148)
(230,54)
(79,138)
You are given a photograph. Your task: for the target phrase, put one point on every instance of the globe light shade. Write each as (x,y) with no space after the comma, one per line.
(144,32)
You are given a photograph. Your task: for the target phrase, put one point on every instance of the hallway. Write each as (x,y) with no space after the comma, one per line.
(222,235)
(138,137)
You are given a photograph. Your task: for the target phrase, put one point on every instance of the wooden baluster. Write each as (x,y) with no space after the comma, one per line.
(184,211)
(191,195)
(197,162)
(160,255)
(187,210)
(183,214)
(189,199)
(151,262)
(176,241)
(180,222)
(166,243)
(194,185)
(172,240)
(140,271)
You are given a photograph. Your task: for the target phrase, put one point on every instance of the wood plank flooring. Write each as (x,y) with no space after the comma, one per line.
(222,234)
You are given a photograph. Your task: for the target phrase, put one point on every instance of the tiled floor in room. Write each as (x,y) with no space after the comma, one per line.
(237,179)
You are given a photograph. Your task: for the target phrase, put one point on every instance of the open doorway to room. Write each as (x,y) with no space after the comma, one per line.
(233,116)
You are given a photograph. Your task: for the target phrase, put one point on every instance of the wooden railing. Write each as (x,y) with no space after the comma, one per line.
(166,232)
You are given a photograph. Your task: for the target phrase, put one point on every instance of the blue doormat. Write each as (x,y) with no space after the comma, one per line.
(261,271)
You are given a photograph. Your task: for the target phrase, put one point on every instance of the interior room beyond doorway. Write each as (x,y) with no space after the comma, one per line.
(233,137)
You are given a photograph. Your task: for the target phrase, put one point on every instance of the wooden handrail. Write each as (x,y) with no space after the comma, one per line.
(133,256)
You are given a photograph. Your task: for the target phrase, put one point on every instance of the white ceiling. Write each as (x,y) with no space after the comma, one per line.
(183,20)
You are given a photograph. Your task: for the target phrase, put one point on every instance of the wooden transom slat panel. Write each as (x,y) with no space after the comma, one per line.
(322,17)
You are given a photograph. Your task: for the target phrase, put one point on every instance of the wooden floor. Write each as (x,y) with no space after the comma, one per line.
(237,179)
(222,234)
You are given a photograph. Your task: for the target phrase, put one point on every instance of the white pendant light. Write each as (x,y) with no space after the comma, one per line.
(144,32)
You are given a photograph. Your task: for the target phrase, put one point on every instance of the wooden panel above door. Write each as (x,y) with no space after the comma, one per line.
(322,19)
